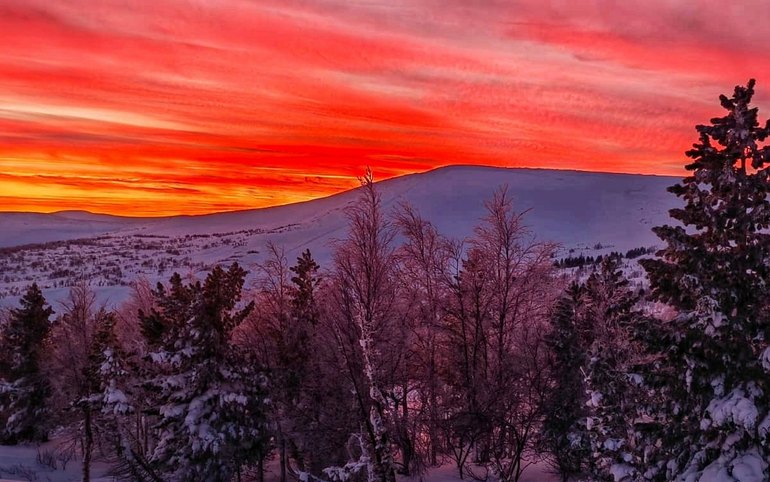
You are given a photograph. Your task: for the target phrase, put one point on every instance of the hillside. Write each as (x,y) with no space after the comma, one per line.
(579,210)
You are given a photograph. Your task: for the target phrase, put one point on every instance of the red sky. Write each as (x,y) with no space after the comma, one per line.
(180,106)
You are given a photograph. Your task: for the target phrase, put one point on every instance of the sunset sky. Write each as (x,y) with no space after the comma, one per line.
(179,106)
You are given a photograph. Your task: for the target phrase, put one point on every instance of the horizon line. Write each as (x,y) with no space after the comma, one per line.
(392,178)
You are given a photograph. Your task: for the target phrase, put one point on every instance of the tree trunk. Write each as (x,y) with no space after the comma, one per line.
(283,459)
(407,445)
(88,444)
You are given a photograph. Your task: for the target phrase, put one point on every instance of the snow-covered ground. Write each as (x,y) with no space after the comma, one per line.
(589,213)
(28,463)
(45,464)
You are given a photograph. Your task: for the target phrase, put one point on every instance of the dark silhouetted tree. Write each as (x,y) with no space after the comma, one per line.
(24,389)
(564,431)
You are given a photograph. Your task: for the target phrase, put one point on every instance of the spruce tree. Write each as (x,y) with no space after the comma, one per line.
(98,391)
(712,360)
(24,389)
(293,346)
(301,385)
(210,397)
(564,436)
(305,280)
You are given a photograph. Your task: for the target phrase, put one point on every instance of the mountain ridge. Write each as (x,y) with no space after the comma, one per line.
(584,213)
(68,212)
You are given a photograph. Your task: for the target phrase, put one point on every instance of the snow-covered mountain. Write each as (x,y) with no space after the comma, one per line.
(28,228)
(579,210)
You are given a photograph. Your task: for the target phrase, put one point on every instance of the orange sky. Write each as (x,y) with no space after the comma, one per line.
(180,106)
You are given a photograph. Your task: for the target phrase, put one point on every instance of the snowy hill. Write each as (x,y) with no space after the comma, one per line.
(579,210)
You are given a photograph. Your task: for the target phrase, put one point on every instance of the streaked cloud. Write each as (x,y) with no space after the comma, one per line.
(191,106)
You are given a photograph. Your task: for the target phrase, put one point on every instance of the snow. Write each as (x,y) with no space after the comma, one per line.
(766,359)
(748,467)
(24,457)
(21,463)
(538,472)
(579,210)
(25,228)
(621,471)
(735,408)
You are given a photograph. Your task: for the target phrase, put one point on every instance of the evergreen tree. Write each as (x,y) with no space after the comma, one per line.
(24,390)
(564,436)
(305,280)
(712,359)
(613,391)
(112,400)
(211,399)
(293,345)
(99,391)
(303,390)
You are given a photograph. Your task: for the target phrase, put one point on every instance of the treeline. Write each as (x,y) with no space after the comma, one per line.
(583,260)
(397,357)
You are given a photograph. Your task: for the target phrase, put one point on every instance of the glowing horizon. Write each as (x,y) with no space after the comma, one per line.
(190,107)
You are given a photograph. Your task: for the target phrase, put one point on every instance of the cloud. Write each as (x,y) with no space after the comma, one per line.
(248,104)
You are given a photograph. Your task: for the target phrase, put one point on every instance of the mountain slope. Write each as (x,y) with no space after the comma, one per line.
(569,207)
(26,228)
(579,210)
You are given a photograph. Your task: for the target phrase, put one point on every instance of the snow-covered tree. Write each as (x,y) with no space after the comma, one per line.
(713,358)
(519,272)
(24,388)
(614,397)
(286,319)
(113,400)
(210,396)
(102,397)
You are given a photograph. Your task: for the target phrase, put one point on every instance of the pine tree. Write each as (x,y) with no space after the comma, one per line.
(211,398)
(564,435)
(293,346)
(112,400)
(713,360)
(24,389)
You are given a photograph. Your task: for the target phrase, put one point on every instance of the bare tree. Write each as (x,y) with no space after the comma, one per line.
(76,384)
(423,269)
(500,301)
(365,294)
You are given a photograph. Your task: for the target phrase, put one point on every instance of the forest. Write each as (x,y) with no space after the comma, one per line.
(412,350)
